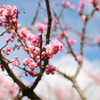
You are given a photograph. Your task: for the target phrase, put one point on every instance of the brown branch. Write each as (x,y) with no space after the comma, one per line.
(61,12)
(49,21)
(82,40)
(11,74)
(69,47)
(47,42)
(27,92)
(19,95)
(24,90)
(4,32)
(72,79)
(34,19)
(78,89)
(8,61)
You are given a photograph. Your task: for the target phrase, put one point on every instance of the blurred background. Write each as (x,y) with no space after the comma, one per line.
(56,87)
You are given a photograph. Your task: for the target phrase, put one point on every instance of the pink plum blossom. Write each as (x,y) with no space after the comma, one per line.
(82,17)
(72,7)
(35,72)
(50,69)
(71,42)
(23,32)
(80,58)
(40,27)
(15,63)
(2,67)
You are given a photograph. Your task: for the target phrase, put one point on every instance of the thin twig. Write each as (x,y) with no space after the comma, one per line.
(34,19)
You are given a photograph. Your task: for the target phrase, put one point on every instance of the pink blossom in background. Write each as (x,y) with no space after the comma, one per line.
(63,3)
(80,36)
(82,17)
(97,8)
(52,34)
(7,89)
(72,7)
(95,77)
(16,57)
(54,27)
(81,7)
(64,34)
(55,3)
(40,27)
(94,2)
(67,4)
(67,28)
(60,94)
(56,20)
(80,58)
(68,52)
(59,37)
(71,41)
(97,40)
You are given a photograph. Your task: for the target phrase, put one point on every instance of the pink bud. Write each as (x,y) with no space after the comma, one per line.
(80,58)
(16,57)
(82,17)
(7,40)
(72,7)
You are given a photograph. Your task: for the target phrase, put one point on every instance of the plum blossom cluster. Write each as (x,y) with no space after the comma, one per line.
(32,47)
(95,3)
(9,51)
(52,49)
(31,65)
(41,27)
(79,57)
(10,39)
(15,62)
(62,35)
(8,17)
(50,69)
(56,21)
(71,42)
(68,4)
(81,8)
(30,43)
